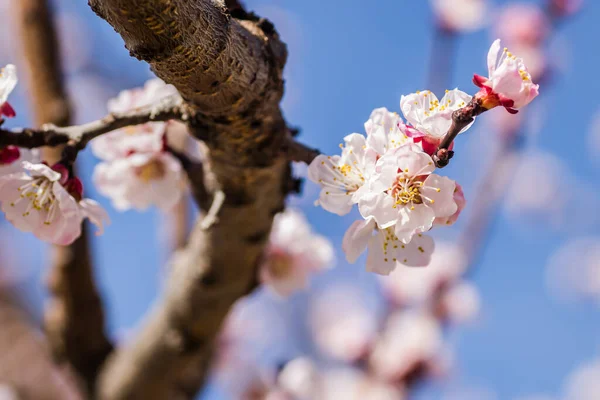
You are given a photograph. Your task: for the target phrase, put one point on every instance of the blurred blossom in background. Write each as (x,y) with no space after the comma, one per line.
(516,318)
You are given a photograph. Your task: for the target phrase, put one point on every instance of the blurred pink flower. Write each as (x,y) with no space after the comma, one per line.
(349,384)
(460,15)
(342,325)
(409,340)
(461,302)
(410,286)
(584,382)
(538,194)
(573,271)
(564,8)
(140,138)
(141,180)
(300,378)
(294,253)
(521,24)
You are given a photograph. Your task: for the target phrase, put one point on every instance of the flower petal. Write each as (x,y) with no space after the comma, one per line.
(357,238)
(438,194)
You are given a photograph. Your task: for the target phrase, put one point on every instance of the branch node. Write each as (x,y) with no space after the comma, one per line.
(211,217)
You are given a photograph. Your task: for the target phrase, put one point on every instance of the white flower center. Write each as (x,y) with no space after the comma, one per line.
(347,176)
(38,192)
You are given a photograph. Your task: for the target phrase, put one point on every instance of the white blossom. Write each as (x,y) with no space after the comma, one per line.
(404,193)
(385,250)
(342,178)
(431,118)
(48,203)
(460,15)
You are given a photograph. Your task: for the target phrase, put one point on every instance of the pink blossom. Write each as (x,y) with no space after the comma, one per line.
(509,83)
(410,338)
(460,15)
(351,384)
(461,202)
(342,324)
(8,82)
(406,194)
(415,286)
(573,271)
(522,24)
(293,254)
(140,138)
(563,8)
(460,302)
(300,378)
(431,118)
(584,382)
(385,250)
(48,202)
(342,178)
(141,180)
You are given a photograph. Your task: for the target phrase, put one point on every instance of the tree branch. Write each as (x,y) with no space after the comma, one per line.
(460,119)
(296,151)
(74,318)
(80,135)
(229,72)
(25,362)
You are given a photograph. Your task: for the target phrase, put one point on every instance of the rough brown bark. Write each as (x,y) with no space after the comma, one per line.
(229,71)
(74,318)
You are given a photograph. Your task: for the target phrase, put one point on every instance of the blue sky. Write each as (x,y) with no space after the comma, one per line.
(347,58)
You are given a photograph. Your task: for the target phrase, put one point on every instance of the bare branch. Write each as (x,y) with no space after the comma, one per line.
(25,362)
(80,135)
(296,151)
(74,319)
(460,119)
(212,217)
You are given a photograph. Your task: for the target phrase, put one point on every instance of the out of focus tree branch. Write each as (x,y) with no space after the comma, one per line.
(229,72)
(51,134)
(74,318)
(25,362)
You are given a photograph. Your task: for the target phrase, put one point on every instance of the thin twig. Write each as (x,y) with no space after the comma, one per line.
(211,217)
(460,119)
(296,151)
(79,135)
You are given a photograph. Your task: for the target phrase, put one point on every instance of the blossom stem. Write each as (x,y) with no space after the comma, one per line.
(460,119)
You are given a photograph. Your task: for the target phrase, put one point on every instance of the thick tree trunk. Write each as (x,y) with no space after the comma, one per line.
(229,71)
